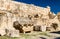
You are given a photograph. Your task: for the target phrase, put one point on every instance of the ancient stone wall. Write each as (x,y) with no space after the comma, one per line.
(27,13)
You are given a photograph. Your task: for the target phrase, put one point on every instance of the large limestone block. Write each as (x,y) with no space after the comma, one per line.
(43,28)
(13,33)
(28,28)
(2,32)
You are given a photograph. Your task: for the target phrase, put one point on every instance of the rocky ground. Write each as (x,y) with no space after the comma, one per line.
(36,35)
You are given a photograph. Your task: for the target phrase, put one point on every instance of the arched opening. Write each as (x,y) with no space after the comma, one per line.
(54,26)
(37,28)
(36,16)
(18,26)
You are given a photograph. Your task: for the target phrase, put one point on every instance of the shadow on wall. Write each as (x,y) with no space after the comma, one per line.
(54,25)
(57,38)
(18,26)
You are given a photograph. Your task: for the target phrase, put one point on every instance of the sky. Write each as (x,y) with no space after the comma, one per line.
(54,4)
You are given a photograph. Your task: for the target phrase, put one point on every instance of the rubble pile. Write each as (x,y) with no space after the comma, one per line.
(29,17)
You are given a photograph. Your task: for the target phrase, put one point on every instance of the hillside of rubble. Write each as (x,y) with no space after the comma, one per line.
(17,17)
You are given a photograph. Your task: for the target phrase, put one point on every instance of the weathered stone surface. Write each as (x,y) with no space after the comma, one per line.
(31,15)
(2,32)
(13,33)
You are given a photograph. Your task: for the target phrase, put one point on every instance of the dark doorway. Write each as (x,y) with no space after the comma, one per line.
(36,28)
(18,26)
(36,16)
(54,25)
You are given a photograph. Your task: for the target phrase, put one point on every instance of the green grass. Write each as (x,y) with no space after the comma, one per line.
(45,34)
(26,36)
(6,37)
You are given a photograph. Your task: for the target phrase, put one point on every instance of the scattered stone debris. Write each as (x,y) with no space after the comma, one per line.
(26,18)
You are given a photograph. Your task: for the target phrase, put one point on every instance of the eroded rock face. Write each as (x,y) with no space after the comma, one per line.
(51,15)
(54,25)
(2,32)
(58,15)
(13,33)
(14,15)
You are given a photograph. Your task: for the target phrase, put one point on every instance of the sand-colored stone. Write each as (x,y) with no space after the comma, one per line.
(11,11)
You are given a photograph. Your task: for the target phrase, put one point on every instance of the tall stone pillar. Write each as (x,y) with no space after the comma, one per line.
(9,23)
(3,25)
(43,28)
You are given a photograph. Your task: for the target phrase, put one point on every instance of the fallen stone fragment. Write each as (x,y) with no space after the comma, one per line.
(13,33)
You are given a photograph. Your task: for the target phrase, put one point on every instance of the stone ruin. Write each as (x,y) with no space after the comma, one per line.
(18,17)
